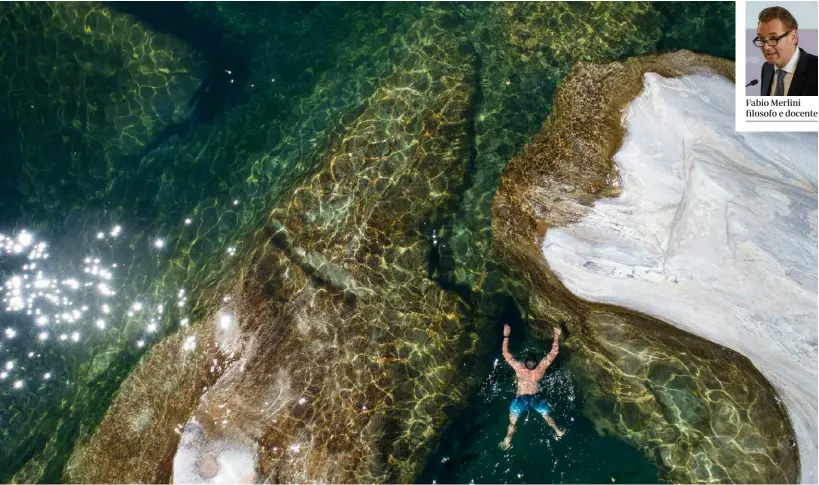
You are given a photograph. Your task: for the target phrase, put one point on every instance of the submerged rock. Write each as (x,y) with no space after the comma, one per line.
(136,440)
(336,359)
(702,411)
(85,86)
(354,358)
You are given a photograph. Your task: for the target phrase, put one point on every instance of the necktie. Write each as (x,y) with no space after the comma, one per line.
(780,83)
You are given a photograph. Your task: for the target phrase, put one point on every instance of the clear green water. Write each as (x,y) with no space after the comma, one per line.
(101,128)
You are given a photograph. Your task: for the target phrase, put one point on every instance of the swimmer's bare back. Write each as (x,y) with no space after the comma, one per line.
(528,379)
(528,375)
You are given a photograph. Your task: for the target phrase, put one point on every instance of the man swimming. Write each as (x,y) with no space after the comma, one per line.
(528,373)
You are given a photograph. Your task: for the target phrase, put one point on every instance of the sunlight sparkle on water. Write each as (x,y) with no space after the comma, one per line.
(24,239)
(190,343)
(104,289)
(42,296)
(52,298)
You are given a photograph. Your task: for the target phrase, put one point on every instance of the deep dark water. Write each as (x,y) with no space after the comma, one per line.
(469,451)
(75,161)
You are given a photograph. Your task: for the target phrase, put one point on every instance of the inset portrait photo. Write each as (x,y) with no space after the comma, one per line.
(781,48)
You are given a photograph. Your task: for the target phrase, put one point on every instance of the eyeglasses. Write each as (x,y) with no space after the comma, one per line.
(771,42)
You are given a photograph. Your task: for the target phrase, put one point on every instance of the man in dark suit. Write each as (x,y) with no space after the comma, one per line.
(788,68)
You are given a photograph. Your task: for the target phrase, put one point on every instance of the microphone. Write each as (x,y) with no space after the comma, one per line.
(752,83)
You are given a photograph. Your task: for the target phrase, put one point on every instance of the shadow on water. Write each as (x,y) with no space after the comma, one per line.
(225,53)
(469,451)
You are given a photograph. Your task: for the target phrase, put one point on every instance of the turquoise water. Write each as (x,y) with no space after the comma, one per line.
(144,152)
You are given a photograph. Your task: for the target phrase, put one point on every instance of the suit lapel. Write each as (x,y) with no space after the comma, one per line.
(767,78)
(800,75)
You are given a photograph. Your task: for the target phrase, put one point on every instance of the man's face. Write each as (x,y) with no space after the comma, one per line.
(782,52)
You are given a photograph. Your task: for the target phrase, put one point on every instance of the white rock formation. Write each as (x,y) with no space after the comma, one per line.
(715,232)
(221,452)
(202,460)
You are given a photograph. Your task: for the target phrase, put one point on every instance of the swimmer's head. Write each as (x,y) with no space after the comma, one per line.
(530,361)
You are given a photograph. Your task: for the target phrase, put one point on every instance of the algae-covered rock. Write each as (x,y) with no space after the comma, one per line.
(525,49)
(370,353)
(703,412)
(183,191)
(342,358)
(136,440)
(700,410)
(552,33)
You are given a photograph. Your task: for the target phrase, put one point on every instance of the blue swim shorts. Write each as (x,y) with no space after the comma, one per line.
(521,402)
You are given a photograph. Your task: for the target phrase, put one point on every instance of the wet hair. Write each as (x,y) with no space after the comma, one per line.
(530,361)
(778,13)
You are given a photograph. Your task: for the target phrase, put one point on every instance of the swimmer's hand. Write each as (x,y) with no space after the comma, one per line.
(507,330)
(506,443)
(557,332)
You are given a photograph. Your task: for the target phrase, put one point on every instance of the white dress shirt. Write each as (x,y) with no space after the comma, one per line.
(790,68)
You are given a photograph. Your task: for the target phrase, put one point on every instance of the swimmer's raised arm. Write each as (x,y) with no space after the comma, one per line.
(506,355)
(545,363)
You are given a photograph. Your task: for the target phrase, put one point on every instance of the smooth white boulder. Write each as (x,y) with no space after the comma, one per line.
(714,232)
